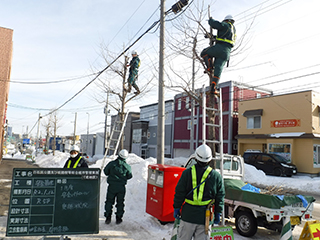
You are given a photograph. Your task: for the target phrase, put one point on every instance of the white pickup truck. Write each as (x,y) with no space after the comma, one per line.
(252,209)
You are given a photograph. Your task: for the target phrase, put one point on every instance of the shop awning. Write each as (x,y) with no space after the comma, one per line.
(288,134)
(251,113)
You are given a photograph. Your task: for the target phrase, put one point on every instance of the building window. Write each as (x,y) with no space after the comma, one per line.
(283,149)
(187,102)
(189,124)
(179,104)
(316,156)
(254,122)
(136,135)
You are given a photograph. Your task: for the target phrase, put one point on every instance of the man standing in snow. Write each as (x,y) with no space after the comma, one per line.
(225,40)
(118,172)
(197,187)
(133,72)
(75,160)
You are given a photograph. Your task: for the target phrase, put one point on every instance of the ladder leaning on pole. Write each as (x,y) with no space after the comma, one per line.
(115,136)
(218,125)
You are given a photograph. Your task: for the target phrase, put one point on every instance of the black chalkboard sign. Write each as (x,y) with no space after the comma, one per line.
(54,201)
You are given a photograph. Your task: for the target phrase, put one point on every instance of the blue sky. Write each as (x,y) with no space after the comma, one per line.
(59,40)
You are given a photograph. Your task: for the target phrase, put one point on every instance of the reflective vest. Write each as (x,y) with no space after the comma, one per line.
(197,195)
(75,164)
(233,36)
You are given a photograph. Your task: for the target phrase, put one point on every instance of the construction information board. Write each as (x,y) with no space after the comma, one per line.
(54,201)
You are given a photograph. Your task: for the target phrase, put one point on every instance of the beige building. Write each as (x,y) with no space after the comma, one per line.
(5,69)
(287,124)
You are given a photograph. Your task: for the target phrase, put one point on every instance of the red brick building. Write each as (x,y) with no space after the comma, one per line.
(5,70)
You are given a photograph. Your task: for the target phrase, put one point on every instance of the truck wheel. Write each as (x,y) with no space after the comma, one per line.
(246,224)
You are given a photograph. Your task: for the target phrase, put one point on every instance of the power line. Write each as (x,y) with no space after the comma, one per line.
(288,79)
(99,73)
(255,14)
(49,82)
(90,108)
(126,22)
(295,70)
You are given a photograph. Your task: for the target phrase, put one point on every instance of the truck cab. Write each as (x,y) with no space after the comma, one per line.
(233,166)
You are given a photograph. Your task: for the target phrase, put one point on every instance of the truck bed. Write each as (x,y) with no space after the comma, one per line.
(234,192)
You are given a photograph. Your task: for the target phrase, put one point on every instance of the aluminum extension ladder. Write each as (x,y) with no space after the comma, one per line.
(118,128)
(218,125)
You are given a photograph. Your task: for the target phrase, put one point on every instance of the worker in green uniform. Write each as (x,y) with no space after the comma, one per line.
(75,160)
(118,172)
(197,187)
(133,72)
(225,40)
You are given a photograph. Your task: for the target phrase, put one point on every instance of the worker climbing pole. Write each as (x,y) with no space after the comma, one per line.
(219,49)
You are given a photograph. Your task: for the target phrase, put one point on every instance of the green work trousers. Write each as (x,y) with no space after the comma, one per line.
(115,191)
(132,76)
(221,53)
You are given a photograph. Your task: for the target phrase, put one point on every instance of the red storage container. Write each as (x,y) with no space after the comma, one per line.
(162,181)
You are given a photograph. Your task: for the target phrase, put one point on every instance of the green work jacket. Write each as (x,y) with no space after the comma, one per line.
(118,172)
(213,189)
(226,32)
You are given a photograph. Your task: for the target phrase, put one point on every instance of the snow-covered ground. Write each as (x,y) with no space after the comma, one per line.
(137,224)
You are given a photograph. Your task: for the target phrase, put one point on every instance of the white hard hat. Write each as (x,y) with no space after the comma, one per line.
(123,154)
(203,153)
(74,148)
(134,52)
(228,17)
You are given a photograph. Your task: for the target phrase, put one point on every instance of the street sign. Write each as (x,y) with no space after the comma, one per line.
(54,201)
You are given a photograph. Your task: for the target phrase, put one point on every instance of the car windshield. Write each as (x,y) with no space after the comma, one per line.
(280,158)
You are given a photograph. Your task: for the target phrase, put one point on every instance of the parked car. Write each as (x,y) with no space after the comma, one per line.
(271,164)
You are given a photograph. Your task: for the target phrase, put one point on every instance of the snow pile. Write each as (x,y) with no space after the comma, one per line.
(50,161)
(305,184)
(137,224)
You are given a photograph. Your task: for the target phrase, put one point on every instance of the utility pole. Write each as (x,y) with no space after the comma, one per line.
(38,130)
(87,134)
(74,128)
(192,100)
(106,123)
(160,135)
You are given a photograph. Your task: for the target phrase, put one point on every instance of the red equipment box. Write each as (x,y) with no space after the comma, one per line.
(162,181)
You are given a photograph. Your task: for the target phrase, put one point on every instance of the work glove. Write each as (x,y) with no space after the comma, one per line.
(216,218)
(176,213)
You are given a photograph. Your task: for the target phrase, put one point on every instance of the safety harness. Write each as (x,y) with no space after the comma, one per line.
(197,195)
(75,164)
(233,36)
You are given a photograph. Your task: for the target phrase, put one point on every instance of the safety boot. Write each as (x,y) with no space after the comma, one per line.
(137,89)
(108,220)
(118,220)
(213,87)
(208,61)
